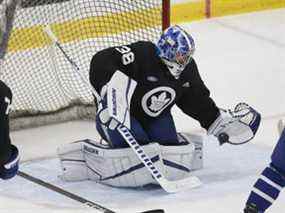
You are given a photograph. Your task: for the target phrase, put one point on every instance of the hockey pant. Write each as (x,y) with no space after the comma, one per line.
(161,130)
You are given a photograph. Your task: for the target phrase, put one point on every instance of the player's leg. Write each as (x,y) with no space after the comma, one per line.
(8,152)
(114,138)
(278,155)
(272,180)
(162,130)
(179,163)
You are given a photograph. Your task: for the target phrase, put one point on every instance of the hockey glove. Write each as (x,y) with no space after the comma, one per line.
(10,168)
(103,111)
(236,126)
(114,107)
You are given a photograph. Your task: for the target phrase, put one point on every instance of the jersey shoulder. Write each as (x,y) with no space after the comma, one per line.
(143,44)
(191,71)
(138,47)
(144,48)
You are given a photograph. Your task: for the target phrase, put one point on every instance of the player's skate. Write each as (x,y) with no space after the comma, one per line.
(251,208)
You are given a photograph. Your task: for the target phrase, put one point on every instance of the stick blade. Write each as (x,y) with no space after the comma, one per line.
(181,185)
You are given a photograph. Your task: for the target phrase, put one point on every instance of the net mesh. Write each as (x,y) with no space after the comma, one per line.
(42,80)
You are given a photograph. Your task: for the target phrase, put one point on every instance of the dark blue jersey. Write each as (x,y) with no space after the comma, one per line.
(157,90)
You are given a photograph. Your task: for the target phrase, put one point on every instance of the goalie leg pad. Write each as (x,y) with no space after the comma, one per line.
(197,141)
(177,161)
(72,160)
(90,160)
(121,167)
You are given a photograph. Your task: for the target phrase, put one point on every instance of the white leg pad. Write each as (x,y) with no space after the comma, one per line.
(72,162)
(197,141)
(121,167)
(177,161)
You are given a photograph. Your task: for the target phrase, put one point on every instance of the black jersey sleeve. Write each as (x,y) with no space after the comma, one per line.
(195,100)
(5,143)
(106,62)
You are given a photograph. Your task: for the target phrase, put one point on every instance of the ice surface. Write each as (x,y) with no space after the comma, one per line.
(241,58)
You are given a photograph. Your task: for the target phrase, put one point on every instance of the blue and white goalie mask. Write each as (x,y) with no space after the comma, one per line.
(176,48)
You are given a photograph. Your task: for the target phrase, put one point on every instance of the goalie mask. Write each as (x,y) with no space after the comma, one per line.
(176,48)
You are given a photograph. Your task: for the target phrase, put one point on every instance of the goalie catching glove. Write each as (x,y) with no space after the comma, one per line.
(236,126)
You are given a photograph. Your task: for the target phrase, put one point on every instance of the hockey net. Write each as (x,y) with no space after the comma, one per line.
(45,87)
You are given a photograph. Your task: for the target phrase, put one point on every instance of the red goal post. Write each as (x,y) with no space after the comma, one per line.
(45,89)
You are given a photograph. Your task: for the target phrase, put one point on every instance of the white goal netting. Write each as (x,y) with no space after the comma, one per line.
(43,83)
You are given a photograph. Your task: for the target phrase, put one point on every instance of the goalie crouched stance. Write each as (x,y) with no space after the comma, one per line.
(144,80)
(9,156)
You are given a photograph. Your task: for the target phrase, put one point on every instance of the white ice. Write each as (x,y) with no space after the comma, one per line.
(241,58)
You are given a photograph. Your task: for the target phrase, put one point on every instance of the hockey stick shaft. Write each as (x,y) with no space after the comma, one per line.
(168,186)
(72,196)
(64,192)
(54,39)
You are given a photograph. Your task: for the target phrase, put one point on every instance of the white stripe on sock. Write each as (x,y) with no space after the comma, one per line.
(270,182)
(263,195)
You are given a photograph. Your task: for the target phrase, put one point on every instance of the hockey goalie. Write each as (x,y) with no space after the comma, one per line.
(138,84)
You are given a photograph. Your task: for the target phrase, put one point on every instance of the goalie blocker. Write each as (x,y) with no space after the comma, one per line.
(91,160)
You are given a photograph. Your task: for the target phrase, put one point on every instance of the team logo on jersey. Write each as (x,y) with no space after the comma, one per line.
(152,78)
(156,100)
(187,84)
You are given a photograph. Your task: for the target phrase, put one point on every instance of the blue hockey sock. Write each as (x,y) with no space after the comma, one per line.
(266,189)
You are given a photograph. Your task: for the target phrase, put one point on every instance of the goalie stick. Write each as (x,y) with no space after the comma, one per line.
(167,185)
(73,196)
